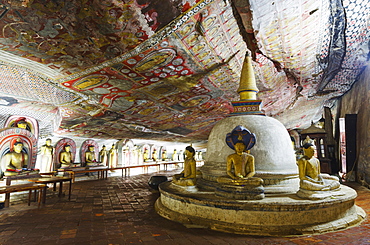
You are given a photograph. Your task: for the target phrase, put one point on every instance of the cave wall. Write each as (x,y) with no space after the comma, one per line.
(357,101)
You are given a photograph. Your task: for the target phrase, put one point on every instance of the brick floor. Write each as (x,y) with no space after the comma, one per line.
(120,211)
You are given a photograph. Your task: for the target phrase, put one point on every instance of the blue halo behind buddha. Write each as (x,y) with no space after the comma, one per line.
(240,134)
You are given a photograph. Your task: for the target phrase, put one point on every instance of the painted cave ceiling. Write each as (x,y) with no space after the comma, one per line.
(168,69)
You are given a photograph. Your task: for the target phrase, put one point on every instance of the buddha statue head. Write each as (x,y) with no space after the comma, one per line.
(18,147)
(67,148)
(240,137)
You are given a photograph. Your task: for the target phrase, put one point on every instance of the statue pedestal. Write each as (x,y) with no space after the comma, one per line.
(240,192)
(240,189)
(275,215)
(316,195)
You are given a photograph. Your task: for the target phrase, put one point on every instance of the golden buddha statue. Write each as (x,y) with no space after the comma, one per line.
(112,156)
(309,172)
(154,155)
(175,157)
(90,156)
(47,152)
(240,166)
(22,124)
(188,176)
(103,156)
(146,155)
(164,155)
(15,160)
(66,157)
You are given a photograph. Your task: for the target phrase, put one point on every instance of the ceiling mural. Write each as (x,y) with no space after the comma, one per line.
(167,70)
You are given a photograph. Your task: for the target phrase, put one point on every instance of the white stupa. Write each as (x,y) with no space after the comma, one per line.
(281,212)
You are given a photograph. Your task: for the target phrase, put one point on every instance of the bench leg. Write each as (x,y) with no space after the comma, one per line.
(70,189)
(7,200)
(60,189)
(29,197)
(41,196)
(43,192)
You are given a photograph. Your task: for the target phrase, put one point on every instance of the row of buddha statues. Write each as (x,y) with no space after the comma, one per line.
(51,160)
(176,156)
(240,170)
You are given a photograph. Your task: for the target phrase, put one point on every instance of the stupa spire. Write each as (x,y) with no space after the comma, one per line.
(247,88)
(248,103)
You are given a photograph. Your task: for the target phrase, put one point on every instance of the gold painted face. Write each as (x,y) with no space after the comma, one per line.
(310,151)
(188,153)
(18,148)
(22,125)
(239,147)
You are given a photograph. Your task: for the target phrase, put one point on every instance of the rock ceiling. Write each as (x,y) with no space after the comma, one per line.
(168,69)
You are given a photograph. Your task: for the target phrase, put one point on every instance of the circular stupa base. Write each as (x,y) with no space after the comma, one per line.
(275,215)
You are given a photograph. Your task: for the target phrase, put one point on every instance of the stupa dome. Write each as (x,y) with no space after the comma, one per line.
(275,160)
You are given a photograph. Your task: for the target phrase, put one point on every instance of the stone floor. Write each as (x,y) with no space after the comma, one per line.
(120,211)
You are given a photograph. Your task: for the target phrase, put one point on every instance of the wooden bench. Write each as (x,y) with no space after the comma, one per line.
(102,171)
(8,179)
(22,187)
(145,167)
(165,164)
(53,180)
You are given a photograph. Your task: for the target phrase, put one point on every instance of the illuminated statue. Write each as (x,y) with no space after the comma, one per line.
(200,156)
(47,152)
(136,154)
(188,176)
(154,155)
(146,155)
(181,156)
(23,124)
(164,155)
(103,156)
(175,157)
(66,157)
(16,160)
(240,167)
(90,156)
(113,157)
(313,184)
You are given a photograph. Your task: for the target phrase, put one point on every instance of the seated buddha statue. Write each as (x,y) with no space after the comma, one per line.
(240,183)
(188,176)
(90,156)
(66,157)
(240,166)
(15,160)
(314,184)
